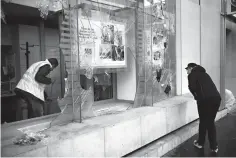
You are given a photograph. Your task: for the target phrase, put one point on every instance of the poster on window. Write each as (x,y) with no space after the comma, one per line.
(86,54)
(87,42)
(158,48)
(103,43)
(154,48)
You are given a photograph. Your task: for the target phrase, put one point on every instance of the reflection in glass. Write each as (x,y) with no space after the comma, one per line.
(103,89)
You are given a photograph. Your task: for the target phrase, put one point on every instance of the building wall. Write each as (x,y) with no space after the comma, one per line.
(211,39)
(198,39)
(190,31)
(230,73)
(188,40)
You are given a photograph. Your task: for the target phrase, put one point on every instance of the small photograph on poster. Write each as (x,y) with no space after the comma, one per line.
(156,39)
(118,47)
(118,38)
(158,58)
(105,51)
(148,56)
(107,34)
(117,53)
(87,51)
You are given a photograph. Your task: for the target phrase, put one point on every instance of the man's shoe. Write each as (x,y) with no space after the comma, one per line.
(197,145)
(215,150)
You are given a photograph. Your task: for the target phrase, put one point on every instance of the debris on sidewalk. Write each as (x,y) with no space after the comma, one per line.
(29,138)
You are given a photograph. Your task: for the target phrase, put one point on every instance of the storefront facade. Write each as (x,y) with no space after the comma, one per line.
(121,64)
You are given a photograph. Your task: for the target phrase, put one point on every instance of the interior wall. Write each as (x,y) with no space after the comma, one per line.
(126,81)
(29,34)
(230,73)
(8,57)
(10,36)
(190,39)
(6,35)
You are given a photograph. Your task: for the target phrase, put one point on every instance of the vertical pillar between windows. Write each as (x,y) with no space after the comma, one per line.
(42,40)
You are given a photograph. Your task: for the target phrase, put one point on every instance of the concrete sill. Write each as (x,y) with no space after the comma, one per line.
(172,140)
(111,135)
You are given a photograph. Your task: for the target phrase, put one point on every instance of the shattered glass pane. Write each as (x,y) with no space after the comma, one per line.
(159,75)
(155,74)
(89,72)
(53,5)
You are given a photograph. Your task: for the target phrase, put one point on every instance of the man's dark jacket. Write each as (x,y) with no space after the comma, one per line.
(201,85)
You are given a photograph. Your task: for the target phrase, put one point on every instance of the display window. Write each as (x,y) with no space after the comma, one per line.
(106,67)
(112,55)
(125,55)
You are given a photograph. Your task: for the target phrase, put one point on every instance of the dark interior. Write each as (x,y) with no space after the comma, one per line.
(19,14)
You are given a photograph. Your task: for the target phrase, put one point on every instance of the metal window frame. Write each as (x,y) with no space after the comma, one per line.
(222,52)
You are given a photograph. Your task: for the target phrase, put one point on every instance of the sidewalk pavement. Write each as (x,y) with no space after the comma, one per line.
(226,135)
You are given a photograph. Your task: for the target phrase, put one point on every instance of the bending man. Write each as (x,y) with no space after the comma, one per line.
(32,85)
(208,101)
